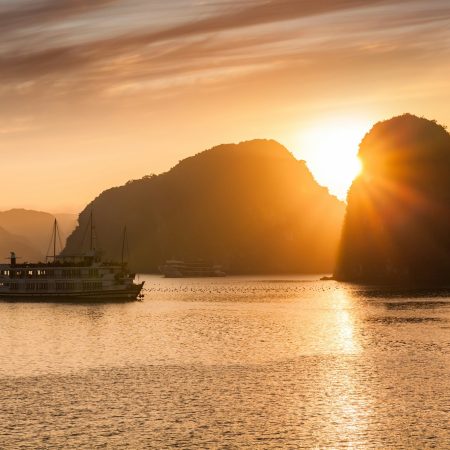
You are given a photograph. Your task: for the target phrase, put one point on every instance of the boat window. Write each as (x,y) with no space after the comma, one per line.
(65,286)
(92,285)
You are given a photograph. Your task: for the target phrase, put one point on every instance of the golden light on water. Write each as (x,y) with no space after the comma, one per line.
(330,150)
(345,334)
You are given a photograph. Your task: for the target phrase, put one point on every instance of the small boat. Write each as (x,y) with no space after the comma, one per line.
(182,269)
(68,278)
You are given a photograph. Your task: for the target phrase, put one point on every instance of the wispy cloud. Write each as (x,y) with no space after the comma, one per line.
(230,37)
(17,15)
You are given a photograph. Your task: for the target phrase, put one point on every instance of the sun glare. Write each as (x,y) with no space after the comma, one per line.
(330,150)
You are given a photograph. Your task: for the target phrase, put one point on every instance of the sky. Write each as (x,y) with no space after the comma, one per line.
(94,93)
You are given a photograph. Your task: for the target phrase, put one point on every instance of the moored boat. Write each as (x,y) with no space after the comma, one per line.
(76,277)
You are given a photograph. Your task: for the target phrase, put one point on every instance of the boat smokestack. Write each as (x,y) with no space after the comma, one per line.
(13,259)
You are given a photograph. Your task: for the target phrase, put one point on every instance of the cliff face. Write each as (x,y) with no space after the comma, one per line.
(397,225)
(251,207)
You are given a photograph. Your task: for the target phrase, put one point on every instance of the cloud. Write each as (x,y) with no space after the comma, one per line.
(40,12)
(225,39)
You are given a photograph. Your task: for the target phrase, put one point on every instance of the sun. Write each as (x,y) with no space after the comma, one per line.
(330,150)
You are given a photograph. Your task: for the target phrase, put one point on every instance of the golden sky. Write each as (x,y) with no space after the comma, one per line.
(96,92)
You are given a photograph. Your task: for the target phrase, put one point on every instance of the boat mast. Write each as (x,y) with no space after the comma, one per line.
(55,235)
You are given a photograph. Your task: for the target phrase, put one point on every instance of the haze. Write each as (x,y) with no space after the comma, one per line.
(94,93)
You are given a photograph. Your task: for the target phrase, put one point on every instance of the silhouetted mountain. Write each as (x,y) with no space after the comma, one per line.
(24,250)
(397,225)
(34,228)
(251,207)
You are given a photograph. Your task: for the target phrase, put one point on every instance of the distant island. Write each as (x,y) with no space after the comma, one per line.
(251,207)
(28,232)
(397,225)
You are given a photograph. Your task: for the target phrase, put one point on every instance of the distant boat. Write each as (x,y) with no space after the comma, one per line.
(182,269)
(68,278)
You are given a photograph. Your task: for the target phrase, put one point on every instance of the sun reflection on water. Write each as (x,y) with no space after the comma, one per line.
(349,409)
(345,323)
(333,331)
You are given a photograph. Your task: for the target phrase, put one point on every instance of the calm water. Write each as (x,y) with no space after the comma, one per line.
(274,362)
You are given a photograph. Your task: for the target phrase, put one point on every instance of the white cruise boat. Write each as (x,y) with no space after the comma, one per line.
(78,277)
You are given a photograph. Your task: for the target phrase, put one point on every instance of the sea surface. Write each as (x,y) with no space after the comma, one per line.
(262,362)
